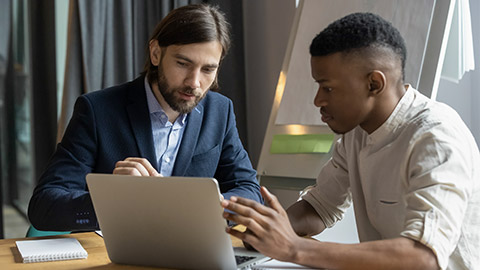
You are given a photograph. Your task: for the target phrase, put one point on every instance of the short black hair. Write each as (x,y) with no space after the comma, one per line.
(357,31)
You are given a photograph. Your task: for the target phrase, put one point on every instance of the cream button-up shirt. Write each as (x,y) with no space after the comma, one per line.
(416,176)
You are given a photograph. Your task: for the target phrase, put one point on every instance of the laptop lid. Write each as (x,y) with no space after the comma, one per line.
(171,222)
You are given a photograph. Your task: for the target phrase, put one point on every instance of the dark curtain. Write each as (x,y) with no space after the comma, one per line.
(43,82)
(232,72)
(107,41)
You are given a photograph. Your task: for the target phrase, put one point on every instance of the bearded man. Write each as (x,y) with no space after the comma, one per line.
(167,122)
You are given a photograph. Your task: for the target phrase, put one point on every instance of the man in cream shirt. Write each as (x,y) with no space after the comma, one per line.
(409,165)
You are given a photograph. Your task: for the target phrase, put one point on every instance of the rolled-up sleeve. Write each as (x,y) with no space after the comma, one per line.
(440,184)
(331,196)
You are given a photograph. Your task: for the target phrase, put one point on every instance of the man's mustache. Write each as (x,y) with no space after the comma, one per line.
(189,91)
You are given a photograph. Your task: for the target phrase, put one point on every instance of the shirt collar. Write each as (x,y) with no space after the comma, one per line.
(395,119)
(154,106)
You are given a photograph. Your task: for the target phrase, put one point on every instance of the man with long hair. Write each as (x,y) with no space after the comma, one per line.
(166,122)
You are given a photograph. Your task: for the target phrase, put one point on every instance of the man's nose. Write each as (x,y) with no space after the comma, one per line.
(319,100)
(193,79)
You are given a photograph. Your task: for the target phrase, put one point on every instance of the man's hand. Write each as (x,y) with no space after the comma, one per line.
(268,228)
(135,166)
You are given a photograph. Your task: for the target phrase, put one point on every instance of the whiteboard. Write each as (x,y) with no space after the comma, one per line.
(424,24)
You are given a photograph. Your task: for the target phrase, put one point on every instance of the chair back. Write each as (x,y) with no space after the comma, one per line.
(32,232)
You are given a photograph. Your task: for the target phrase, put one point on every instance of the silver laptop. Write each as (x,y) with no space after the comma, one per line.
(169,222)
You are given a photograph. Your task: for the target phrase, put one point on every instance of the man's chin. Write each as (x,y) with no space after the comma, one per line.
(336,130)
(184,109)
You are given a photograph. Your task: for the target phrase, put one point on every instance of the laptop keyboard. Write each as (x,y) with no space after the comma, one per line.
(242,259)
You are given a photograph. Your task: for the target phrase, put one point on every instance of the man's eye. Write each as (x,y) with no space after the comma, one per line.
(209,70)
(182,64)
(327,89)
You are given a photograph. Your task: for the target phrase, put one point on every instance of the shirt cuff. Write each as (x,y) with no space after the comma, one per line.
(429,233)
(329,216)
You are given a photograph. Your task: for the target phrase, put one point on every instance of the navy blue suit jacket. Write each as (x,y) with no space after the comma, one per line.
(112,124)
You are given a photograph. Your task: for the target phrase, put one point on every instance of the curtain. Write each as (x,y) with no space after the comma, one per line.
(43,88)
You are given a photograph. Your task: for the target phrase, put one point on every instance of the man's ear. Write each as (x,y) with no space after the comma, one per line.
(377,82)
(155,52)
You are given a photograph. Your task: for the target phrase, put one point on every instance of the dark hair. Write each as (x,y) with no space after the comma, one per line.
(187,25)
(358,31)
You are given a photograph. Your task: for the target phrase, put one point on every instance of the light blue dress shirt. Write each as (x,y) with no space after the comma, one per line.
(166,136)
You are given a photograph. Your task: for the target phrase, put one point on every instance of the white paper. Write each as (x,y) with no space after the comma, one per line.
(274,264)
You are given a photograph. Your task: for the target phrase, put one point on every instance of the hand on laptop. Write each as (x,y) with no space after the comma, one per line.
(135,166)
(268,228)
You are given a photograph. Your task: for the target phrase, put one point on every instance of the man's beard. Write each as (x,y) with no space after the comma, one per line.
(174,101)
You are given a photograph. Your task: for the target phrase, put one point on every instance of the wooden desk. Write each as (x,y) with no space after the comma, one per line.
(93,243)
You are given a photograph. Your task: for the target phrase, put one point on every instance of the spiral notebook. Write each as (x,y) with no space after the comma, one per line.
(51,250)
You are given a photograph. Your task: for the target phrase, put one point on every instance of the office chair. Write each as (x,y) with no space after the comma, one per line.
(32,232)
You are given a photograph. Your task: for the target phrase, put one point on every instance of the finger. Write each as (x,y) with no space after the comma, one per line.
(247,203)
(146,164)
(235,233)
(246,236)
(255,224)
(126,171)
(271,199)
(133,164)
(248,246)
(235,205)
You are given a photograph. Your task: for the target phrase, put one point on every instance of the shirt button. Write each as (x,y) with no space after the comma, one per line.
(167,159)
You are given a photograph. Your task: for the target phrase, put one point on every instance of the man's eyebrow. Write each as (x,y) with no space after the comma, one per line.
(185,58)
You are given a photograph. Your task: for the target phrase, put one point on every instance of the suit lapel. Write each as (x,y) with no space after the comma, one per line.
(189,141)
(139,117)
